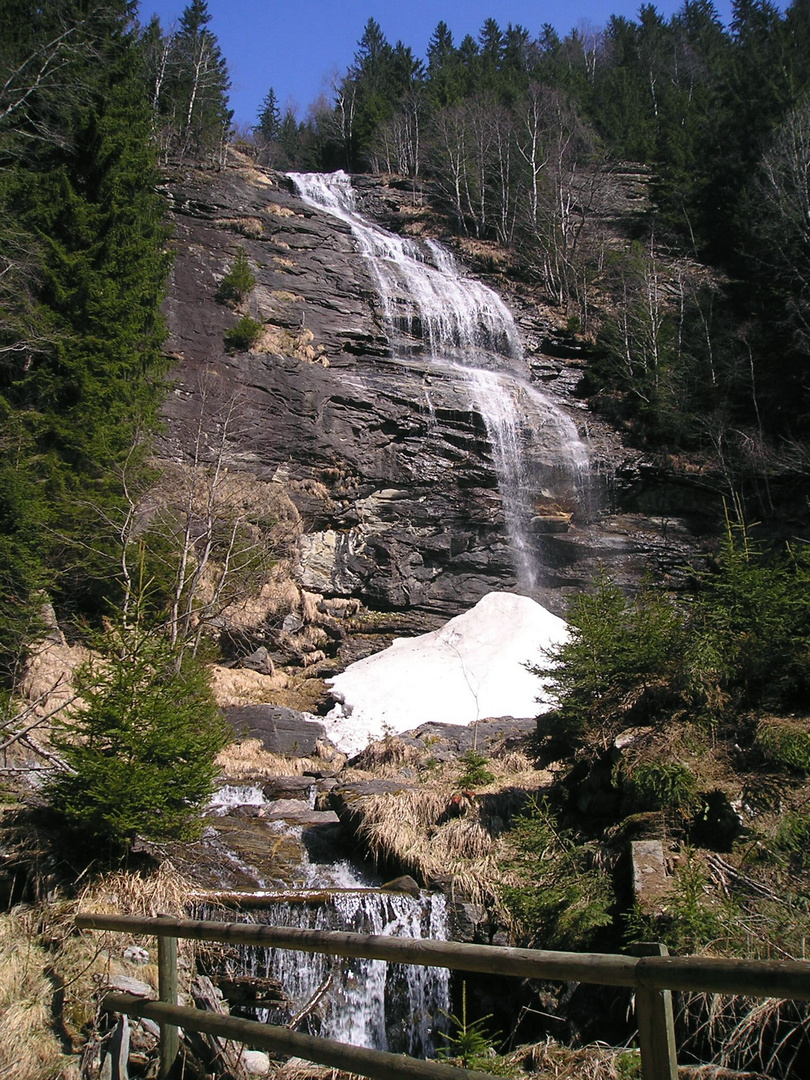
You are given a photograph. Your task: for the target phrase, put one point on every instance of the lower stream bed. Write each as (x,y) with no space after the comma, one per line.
(395,1007)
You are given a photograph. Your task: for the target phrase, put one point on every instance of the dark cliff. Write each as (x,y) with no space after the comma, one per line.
(387,462)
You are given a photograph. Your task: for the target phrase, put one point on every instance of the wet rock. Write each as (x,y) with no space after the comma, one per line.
(291,811)
(289,787)
(403,884)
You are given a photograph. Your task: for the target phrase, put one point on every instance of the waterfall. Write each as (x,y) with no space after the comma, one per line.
(462,328)
(397,1007)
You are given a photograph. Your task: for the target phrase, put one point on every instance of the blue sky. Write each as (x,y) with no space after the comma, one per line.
(294,45)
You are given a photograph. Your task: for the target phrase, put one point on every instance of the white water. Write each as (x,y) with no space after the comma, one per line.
(368,1002)
(431,308)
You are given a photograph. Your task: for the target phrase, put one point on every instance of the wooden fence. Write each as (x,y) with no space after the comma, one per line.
(649,970)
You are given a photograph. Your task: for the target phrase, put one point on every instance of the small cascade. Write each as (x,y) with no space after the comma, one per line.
(365,1002)
(369,1003)
(465,331)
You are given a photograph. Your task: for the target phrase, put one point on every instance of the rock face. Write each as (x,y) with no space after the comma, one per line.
(388,462)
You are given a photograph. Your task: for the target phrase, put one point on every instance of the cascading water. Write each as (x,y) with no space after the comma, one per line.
(369,1003)
(465,330)
(365,1002)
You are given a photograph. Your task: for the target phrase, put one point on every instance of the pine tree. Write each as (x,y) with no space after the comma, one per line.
(269,124)
(200,84)
(141,751)
(82,228)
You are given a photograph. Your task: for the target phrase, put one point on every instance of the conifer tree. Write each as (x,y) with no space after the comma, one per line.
(269,124)
(200,84)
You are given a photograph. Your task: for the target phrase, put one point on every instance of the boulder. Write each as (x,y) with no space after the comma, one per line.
(281,730)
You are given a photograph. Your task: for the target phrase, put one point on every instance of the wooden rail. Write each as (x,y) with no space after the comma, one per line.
(651,972)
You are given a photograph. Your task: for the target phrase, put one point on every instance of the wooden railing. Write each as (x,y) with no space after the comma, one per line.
(650,971)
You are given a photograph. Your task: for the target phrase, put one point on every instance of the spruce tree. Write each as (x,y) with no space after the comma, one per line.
(199,86)
(269,124)
(141,749)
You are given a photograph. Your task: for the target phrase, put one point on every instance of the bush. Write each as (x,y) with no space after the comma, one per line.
(238,282)
(142,748)
(244,335)
(563,897)
(622,659)
(662,785)
(752,627)
(476,773)
(785,742)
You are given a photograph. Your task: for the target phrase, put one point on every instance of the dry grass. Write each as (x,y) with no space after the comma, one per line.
(251,227)
(416,829)
(766,1034)
(29,1047)
(248,759)
(543,1061)
(281,211)
(241,686)
(51,975)
(49,676)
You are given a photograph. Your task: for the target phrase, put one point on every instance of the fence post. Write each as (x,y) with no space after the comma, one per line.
(167,991)
(656,1024)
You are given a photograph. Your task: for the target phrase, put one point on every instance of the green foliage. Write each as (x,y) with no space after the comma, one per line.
(662,785)
(564,896)
(793,836)
(693,919)
(751,625)
(785,742)
(239,280)
(469,1044)
(244,335)
(80,297)
(622,659)
(476,773)
(628,1065)
(142,748)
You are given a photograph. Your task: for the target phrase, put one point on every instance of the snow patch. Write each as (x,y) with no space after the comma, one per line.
(472,668)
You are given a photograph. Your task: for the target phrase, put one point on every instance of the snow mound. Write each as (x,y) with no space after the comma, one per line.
(472,668)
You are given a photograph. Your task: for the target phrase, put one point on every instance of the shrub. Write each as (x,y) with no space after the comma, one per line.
(662,785)
(752,627)
(238,282)
(793,837)
(622,658)
(476,773)
(142,748)
(785,742)
(244,335)
(561,896)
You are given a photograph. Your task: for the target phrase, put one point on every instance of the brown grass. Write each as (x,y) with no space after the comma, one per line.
(29,1048)
(42,956)
(241,686)
(248,759)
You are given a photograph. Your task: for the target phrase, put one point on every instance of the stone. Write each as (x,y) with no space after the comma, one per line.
(289,787)
(281,730)
(258,661)
(403,884)
(136,954)
(125,984)
(652,883)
